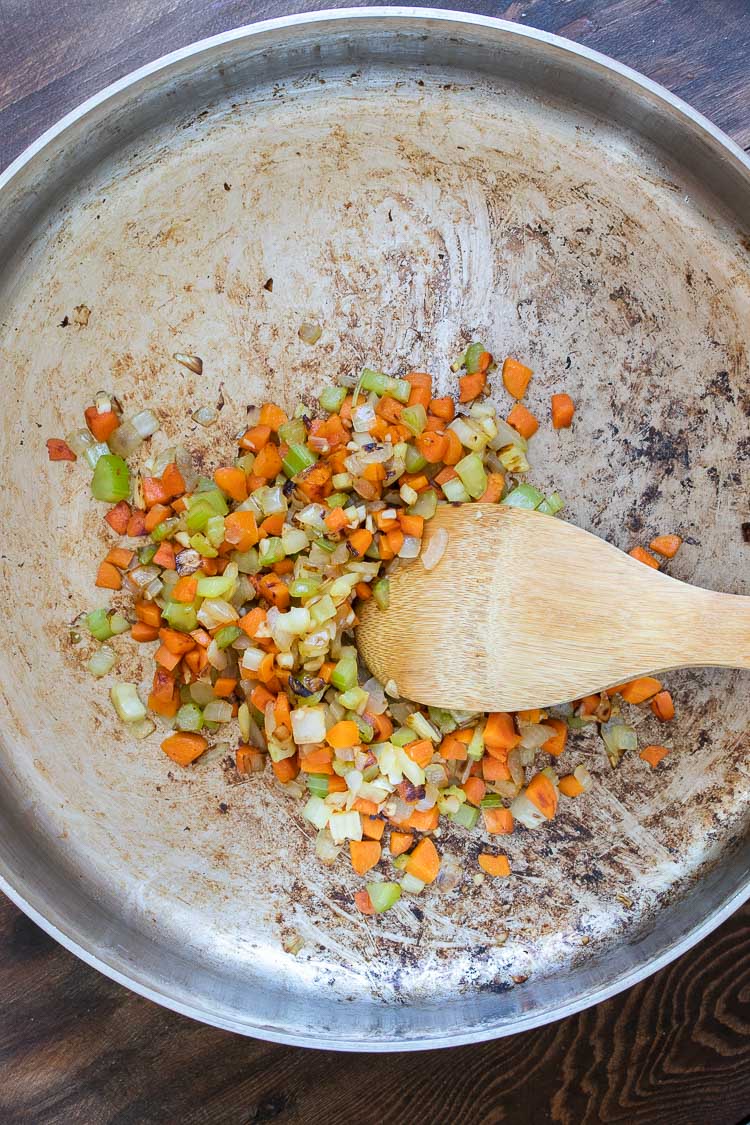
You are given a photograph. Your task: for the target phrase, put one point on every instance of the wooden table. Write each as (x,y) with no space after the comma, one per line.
(75,1047)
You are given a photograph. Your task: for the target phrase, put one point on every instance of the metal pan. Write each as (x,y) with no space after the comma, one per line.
(407,178)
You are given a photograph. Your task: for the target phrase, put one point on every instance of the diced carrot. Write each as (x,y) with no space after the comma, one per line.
(255,438)
(374,472)
(317,761)
(136,523)
(119,517)
(444,408)
(315,482)
(359,541)
(363,590)
(417,481)
(154,491)
(173,481)
(271,587)
(282,711)
(516,377)
(363,903)
(395,539)
(643,556)
(179,505)
(533,715)
(167,708)
(498,821)
(164,557)
(336,784)
(494,490)
(59,450)
(542,793)
(434,425)
(523,420)
(244,758)
(272,525)
(471,386)
(432,446)
(176,641)
(400,842)
(241,529)
(260,696)
(556,743)
(423,821)
(454,452)
(108,577)
(233,482)
(373,827)
(336,519)
(381,724)
(389,409)
(184,747)
(267,669)
(411,525)
(666,545)
(638,691)
(497,865)
(365,855)
(563,409)
(224,686)
(287,769)
(102,426)
(154,517)
(120,557)
(453,750)
(148,612)
(475,789)
(141,632)
(167,659)
(495,769)
(662,706)
(379,429)
(343,735)
(420,379)
(272,416)
(252,621)
(424,862)
(420,751)
(653,755)
(267,462)
(185,589)
(589,704)
(500,731)
(570,786)
(367,808)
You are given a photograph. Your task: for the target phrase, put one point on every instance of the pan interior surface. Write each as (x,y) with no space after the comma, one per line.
(407,202)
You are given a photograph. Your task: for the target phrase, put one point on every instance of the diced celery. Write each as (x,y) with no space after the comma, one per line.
(146,554)
(421,727)
(189,717)
(215,530)
(102,661)
(298,458)
(425,505)
(271,550)
(414,460)
(215,587)
(118,624)
(353,699)
(366,730)
(227,636)
(471,472)
(199,513)
(293,433)
(381,592)
(403,736)
(165,530)
(305,587)
(111,479)
(383,895)
(553,504)
(98,624)
(200,544)
(338,500)
(247,561)
(442,719)
(331,399)
(491,801)
(344,675)
(523,496)
(414,418)
(514,460)
(127,703)
(471,356)
(322,611)
(466,815)
(180,616)
(375,381)
(475,749)
(214,497)
(455,492)
(317,783)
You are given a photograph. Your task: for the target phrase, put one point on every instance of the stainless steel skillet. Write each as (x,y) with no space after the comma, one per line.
(408,179)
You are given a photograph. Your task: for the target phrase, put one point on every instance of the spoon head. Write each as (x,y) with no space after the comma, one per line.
(522,610)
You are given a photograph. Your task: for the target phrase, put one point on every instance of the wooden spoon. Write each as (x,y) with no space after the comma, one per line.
(525,610)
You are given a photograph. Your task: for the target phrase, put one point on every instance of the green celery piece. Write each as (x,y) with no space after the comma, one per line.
(214,530)
(375,381)
(414,460)
(381,592)
(466,815)
(181,616)
(165,529)
(271,550)
(118,624)
(414,418)
(189,717)
(475,749)
(472,475)
(111,479)
(344,675)
(200,544)
(98,624)
(383,895)
(305,587)
(298,458)
(454,491)
(146,554)
(198,515)
(293,433)
(338,500)
(331,400)
(425,505)
(227,636)
(523,496)
(553,504)
(491,801)
(247,561)
(403,736)
(317,784)
(214,587)
(471,357)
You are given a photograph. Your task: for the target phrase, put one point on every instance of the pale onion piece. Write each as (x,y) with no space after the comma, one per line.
(363,417)
(308,725)
(153,589)
(345,826)
(283,659)
(142,728)
(205,416)
(377,702)
(79,441)
(354,780)
(141,576)
(410,548)
(435,549)
(309,332)
(325,849)
(243,714)
(217,658)
(216,611)
(526,812)
(534,735)
(407,494)
(411,884)
(450,873)
(145,422)
(102,661)
(252,658)
(317,812)
(201,692)
(192,362)
(583,777)
(218,711)
(269,718)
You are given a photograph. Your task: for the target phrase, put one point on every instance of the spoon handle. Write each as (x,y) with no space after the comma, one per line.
(704,628)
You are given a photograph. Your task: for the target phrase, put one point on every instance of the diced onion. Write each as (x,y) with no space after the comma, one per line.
(435,549)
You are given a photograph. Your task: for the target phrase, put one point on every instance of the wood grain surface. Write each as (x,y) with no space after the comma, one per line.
(74,1046)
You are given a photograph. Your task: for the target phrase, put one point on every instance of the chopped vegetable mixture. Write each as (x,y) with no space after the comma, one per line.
(247,585)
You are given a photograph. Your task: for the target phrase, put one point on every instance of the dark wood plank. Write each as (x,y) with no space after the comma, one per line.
(75,1047)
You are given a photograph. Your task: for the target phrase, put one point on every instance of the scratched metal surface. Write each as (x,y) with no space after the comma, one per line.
(407,208)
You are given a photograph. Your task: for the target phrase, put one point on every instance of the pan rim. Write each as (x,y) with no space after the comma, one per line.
(17,887)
